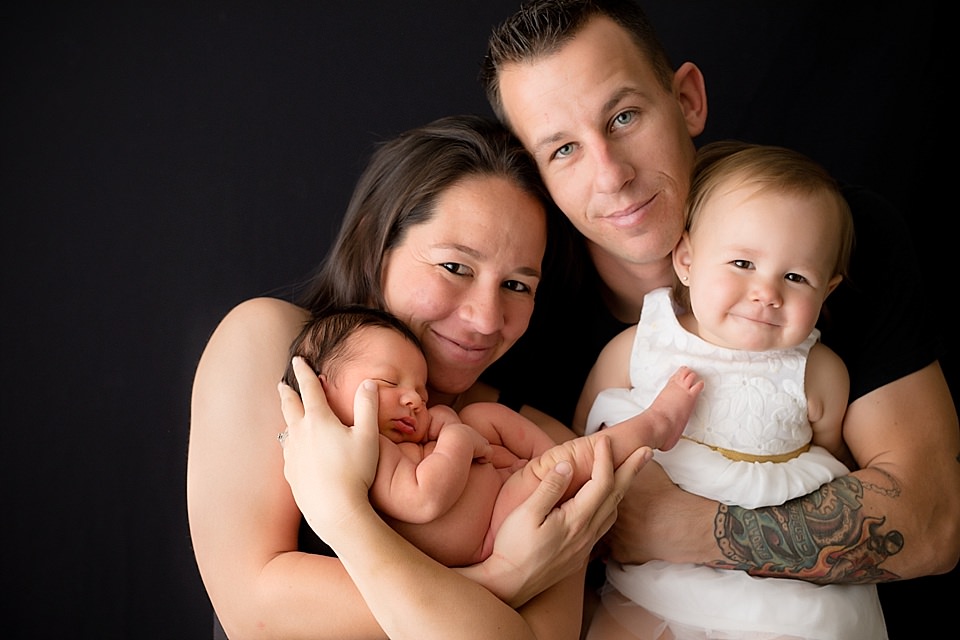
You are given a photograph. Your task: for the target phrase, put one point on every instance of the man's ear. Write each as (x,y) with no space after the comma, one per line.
(691,92)
(683,257)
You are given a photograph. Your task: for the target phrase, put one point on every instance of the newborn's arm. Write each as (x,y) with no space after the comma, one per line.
(418,482)
(504,426)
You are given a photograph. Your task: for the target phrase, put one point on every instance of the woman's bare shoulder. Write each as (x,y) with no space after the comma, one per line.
(264,317)
(266,310)
(256,332)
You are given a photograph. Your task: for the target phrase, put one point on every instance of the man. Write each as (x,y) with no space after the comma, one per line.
(590,92)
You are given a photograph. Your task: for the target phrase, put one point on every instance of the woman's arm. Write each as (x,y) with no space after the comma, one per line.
(244,521)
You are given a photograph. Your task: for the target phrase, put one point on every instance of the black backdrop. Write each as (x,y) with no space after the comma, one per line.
(160,162)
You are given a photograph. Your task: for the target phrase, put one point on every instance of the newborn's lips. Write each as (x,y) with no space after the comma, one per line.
(404,425)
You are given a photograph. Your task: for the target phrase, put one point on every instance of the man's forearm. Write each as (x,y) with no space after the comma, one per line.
(824,537)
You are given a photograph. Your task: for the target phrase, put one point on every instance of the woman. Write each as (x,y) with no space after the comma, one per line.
(447,229)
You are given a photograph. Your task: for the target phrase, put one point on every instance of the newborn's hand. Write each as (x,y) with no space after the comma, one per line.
(482,451)
(504,459)
(329,466)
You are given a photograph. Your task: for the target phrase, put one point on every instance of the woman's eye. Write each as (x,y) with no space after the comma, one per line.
(455,268)
(516,285)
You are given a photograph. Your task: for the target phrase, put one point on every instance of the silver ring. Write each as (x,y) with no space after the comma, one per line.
(282,436)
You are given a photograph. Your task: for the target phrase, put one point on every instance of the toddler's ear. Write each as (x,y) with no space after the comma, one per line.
(834,281)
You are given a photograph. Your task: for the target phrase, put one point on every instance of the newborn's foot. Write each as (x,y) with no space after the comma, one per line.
(672,407)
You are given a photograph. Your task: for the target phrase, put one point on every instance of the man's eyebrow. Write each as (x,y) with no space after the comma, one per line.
(618,97)
(551,140)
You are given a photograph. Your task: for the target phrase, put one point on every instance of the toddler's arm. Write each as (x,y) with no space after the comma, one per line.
(827,386)
(610,371)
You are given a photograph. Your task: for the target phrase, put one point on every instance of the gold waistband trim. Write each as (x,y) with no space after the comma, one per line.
(749,457)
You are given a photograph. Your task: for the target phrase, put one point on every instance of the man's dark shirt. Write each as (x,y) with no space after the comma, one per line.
(877,320)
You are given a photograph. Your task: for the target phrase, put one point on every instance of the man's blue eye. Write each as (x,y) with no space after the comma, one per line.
(563,151)
(623,118)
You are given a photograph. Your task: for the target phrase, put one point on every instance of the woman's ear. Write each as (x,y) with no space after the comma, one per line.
(683,258)
(691,92)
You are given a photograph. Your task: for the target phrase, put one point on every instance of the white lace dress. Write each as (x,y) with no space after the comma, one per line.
(747,444)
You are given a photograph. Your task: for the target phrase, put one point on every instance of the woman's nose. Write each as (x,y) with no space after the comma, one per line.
(483,311)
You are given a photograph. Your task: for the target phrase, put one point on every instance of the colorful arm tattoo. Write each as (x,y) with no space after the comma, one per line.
(822,538)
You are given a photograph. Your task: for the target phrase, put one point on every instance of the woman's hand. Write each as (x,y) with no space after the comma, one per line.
(328,465)
(541,543)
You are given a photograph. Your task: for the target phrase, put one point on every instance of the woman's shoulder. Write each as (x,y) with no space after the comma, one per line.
(269,322)
(265,312)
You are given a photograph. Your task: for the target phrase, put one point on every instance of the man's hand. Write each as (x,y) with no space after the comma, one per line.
(651,518)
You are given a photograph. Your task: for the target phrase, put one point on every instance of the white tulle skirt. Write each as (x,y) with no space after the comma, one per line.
(697,603)
(691,602)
